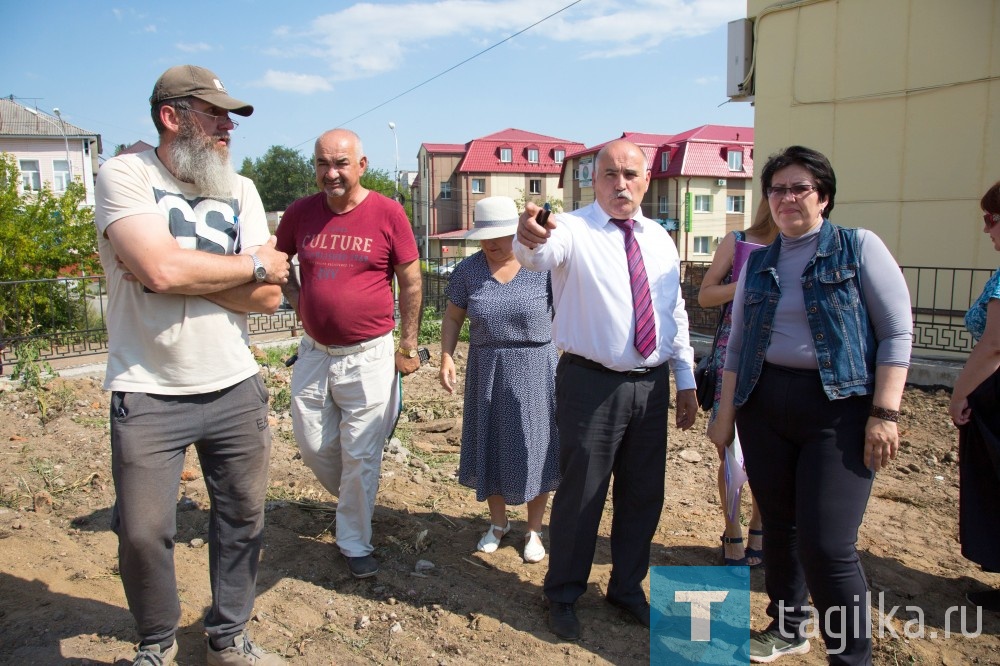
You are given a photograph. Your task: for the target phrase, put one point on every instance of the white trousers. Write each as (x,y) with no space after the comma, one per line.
(339,414)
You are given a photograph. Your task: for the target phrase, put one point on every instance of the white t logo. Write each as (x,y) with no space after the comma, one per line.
(701,610)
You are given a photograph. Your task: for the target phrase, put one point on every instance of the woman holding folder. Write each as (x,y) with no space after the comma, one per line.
(717,289)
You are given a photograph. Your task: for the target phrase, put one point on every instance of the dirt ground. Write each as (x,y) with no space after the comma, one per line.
(61,601)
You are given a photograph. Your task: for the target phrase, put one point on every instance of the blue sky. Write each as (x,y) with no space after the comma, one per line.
(586,74)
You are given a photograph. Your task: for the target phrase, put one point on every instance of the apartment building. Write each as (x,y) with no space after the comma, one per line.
(453,177)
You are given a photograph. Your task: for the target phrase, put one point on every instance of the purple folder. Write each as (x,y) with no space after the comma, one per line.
(741,254)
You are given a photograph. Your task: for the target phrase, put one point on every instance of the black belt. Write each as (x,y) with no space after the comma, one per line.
(583,362)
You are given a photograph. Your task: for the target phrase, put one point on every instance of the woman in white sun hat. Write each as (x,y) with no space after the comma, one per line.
(510,445)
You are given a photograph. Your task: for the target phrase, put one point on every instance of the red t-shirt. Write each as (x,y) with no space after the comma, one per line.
(346,265)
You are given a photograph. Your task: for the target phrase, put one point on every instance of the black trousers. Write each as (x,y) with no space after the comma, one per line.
(609,424)
(804,456)
(979,471)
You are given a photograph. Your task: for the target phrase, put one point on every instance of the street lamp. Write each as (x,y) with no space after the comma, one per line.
(395,178)
(62,128)
(395,173)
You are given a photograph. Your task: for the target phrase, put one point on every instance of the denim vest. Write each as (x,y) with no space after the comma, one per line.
(838,319)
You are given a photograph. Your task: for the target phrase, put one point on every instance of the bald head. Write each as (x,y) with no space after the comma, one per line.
(341,136)
(340,162)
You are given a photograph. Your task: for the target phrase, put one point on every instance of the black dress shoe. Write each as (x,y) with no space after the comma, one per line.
(638,610)
(563,622)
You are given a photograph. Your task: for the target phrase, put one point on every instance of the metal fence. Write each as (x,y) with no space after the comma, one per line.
(65,317)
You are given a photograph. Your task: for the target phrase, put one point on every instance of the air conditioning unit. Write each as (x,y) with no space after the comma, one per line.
(721,182)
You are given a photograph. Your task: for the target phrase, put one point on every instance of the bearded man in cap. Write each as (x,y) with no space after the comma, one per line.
(185,247)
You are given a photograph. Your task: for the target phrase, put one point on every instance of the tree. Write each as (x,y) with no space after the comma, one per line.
(379,180)
(43,235)
(282,175)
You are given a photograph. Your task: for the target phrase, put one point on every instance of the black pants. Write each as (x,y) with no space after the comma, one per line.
(609,423)
(979,471)
(804,457)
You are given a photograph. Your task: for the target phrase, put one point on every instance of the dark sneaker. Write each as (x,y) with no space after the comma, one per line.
(362,567)
(243,652)
(154,655)
(988,599)
(766,646)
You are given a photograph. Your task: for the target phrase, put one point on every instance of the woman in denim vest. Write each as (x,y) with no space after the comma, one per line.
(814,375)
(974,401)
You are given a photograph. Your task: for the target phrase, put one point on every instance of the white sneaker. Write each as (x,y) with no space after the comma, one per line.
(534,551)
(243,652)
(152,656)
(489,543)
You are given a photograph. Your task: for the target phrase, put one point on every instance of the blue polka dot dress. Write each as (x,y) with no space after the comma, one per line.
(510,445)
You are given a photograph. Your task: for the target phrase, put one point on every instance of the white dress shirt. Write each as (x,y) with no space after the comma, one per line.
(594,316)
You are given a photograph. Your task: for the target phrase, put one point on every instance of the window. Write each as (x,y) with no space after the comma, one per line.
(479,186)
(446,190)
(735,204)
(735,159)
(506,155)
(60,177)
(576,175)
(535,186)
(533,155)
(558,156)
(702,203)
(702,244)
(664,206)
(664,160)
(31,179)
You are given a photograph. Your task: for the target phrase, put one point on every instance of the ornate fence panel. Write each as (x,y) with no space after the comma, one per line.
(939,298)
(65,317)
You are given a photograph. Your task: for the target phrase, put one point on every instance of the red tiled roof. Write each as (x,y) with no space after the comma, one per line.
(483,155)
(717,133)
(444,147)
(703,151)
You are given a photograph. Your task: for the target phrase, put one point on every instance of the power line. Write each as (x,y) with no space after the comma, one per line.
(453,67)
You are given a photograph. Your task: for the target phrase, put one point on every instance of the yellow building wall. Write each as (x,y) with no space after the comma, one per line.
(903,96)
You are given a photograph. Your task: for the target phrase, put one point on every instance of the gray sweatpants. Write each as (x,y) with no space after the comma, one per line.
(149,436)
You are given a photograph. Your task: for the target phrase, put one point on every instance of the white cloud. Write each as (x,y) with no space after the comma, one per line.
(150,28)
(200,47)
(305,84)
(707,80)
(367,39)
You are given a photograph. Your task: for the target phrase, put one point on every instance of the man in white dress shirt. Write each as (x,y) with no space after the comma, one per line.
(613,379)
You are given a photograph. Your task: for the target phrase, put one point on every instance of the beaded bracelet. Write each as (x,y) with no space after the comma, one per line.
(884,414)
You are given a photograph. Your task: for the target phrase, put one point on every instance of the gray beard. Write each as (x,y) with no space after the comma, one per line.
(196,160)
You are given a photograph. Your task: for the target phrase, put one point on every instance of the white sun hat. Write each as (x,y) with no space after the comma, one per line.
(495,217)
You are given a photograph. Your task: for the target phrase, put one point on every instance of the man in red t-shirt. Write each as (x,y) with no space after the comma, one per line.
(351,242)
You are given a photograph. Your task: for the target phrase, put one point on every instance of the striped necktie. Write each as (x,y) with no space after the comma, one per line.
(642,303)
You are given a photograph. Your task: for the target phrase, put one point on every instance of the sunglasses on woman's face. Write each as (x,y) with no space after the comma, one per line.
(991,219)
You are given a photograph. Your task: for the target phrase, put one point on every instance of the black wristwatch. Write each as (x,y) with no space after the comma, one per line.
(259,272)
